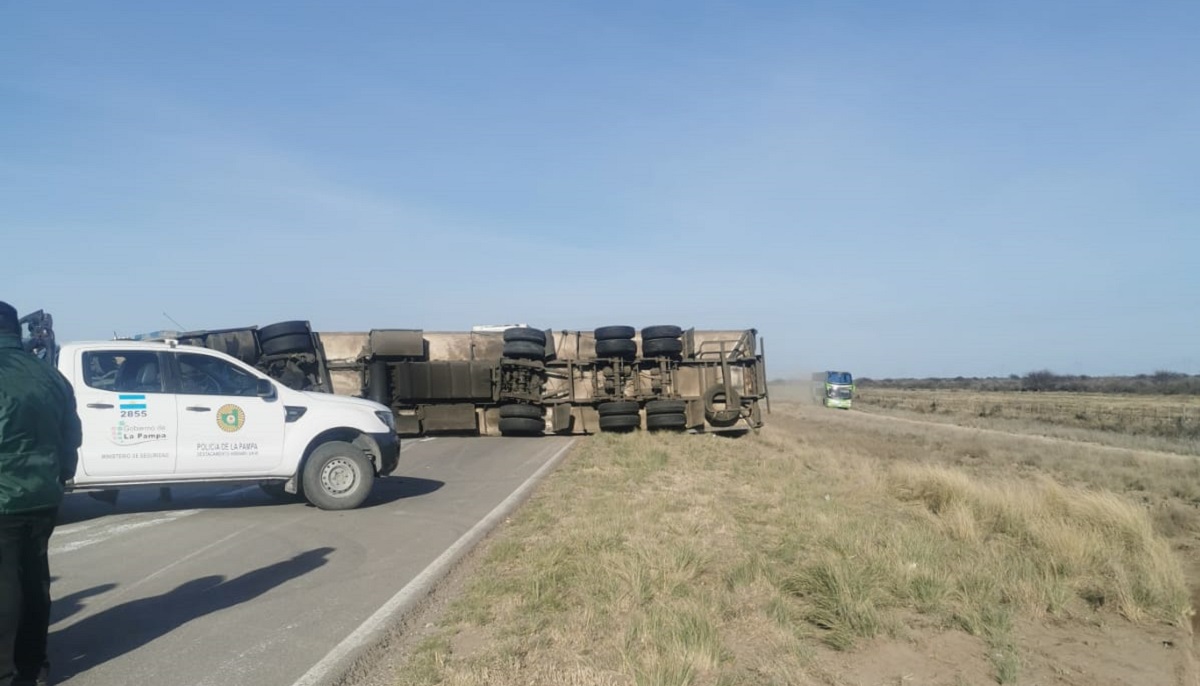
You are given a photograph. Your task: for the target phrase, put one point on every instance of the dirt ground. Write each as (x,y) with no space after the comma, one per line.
(1080,650)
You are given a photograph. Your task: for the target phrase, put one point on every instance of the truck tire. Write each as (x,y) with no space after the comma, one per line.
(239,344)
(667,422)
(337,476)
(283,329)
(525,333)
(617,407)
(518,410)
(620,422)
(616,347)
(726,415)
(666,407)
(524,350)
(661,331)
(286,345)
(613,333)
(662,347)
(521,426)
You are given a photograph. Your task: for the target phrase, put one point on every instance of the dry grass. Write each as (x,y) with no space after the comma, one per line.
(1168,423)
(674,559)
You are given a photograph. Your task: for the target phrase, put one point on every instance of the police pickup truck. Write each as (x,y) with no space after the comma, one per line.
(159,414)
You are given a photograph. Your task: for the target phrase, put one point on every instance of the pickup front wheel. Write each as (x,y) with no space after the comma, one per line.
(337,476)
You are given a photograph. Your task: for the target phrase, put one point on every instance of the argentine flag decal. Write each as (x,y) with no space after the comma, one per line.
(132,402)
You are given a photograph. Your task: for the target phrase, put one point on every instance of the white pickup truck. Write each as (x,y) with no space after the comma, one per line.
(161,414)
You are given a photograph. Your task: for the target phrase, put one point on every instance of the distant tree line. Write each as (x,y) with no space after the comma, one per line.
(1043,380)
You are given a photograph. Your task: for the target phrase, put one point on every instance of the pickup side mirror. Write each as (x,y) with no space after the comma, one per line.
(265,389)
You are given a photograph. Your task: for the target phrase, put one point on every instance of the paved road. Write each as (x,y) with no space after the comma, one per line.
(224,586)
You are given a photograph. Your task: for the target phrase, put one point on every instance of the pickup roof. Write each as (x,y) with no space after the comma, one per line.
(162,414)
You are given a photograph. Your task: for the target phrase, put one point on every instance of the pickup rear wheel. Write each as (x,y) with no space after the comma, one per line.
(337,476)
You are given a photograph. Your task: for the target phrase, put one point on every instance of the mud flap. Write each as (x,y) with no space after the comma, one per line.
(456,417)
(561,419)
(695,414)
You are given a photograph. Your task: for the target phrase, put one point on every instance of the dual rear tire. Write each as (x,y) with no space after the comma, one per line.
(524,343)
(661,415)
(616,342)
(657,341)
(619,415)
(666,415)
(518,419)
(662,341)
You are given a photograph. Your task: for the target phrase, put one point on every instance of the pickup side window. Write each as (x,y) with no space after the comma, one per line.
(123,371)
(208,375)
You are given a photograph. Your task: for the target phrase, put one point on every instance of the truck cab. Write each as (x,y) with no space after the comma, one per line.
(158,413)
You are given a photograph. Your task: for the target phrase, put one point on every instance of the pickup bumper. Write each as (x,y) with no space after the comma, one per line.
(389,451)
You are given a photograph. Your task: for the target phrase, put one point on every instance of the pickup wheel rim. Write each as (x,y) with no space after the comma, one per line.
(339,476)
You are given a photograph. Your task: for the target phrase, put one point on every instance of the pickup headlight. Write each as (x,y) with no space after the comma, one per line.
(387,418)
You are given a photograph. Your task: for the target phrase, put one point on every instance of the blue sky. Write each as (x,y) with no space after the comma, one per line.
(918,188)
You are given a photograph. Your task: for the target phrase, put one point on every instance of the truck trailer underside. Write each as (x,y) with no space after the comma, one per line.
(518,380)
(570,382)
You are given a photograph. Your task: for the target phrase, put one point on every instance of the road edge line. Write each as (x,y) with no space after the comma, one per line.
(345,654)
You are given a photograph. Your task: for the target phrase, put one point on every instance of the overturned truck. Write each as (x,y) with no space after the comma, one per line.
(520,380)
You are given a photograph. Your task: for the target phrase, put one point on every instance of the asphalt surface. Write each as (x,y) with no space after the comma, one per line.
(225,586)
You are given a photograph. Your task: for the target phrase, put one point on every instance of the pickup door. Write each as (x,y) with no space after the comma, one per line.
(130,422)
(225,428)
(153,415)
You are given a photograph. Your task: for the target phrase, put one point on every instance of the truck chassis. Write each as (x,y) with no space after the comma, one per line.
(519,380)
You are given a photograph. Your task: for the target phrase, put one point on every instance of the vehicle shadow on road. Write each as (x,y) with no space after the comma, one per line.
(123,628)
(79,507)
(395,488)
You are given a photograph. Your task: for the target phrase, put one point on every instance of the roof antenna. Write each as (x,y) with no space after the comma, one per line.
(181,326)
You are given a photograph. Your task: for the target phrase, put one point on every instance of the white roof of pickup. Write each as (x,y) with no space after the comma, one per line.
(122,344)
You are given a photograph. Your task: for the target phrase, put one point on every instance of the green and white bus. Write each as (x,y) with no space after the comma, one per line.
(833,389)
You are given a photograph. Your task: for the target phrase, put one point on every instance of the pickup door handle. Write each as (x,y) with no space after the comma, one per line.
(100,406)
(197,408)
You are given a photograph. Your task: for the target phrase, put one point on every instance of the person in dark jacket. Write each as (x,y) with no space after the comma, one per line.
(39,441)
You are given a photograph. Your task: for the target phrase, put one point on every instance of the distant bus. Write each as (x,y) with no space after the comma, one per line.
(833,389)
